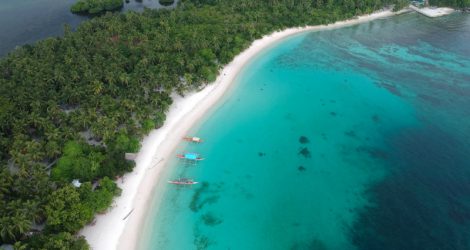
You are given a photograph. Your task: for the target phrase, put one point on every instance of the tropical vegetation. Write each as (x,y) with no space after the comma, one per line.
(96,6)
(462,4)
(71,107)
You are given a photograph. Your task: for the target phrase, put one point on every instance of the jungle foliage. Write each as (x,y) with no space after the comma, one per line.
(462,4)
(96,6)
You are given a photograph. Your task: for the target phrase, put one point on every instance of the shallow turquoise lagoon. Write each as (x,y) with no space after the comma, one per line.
(355,138)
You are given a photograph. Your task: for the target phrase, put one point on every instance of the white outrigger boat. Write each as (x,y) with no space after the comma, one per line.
(183,181)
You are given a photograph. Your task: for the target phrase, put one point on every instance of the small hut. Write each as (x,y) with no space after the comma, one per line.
(130,156)
(76,183)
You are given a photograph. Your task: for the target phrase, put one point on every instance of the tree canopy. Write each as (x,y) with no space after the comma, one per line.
(96,6)
(451,3)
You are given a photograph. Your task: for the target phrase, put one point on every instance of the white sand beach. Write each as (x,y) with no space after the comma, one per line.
(433,11)
(111,230)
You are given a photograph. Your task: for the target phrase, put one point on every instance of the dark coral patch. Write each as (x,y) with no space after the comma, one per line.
(376,118)
(305,152)
(202,242)
(210,219)
(197,196)
(351,133)
(301,168)
(304,139)
(261,154)
(198,201)
(333,113)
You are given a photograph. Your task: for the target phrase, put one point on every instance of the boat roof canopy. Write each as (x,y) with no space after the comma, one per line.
(191,156)
(196,139)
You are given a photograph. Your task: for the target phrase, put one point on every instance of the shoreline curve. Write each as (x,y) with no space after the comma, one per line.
(121,226)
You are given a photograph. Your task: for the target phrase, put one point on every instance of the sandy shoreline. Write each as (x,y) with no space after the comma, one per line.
(433,11)
(111,230)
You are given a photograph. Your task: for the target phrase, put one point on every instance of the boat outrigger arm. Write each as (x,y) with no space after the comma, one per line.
(183,181)
(190,156)
(192,139)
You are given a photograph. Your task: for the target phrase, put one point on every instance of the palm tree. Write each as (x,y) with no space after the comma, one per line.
(21,225)
(5,183)
(52,149)
(34,151)
(7,232)
(15,223)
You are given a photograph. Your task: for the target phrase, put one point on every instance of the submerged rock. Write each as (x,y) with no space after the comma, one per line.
(301,168)
(376,118)
(210,219)
(305,152)
(304,139)
(202,242)
(203,196)
(350,133)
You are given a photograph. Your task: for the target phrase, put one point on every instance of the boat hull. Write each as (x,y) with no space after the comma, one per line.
(183,183)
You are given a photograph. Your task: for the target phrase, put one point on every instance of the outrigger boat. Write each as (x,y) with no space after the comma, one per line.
(183,181)
(190,156)
(192,139)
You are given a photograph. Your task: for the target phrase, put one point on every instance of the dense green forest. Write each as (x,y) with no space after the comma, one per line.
(96,6)
(451,3)
(70,107)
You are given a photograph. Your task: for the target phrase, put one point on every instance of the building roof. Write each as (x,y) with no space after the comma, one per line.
(76,183)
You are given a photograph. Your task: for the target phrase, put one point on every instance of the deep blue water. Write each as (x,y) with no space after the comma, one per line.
(355,138)
(27,21)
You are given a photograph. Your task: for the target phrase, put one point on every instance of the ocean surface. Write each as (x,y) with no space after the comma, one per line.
(27,21)
(354,138)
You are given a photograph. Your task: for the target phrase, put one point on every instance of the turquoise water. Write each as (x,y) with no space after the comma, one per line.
(355,138)
(27,21)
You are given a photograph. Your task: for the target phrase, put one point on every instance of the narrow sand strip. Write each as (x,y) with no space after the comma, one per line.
(121,226)
(433,11)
